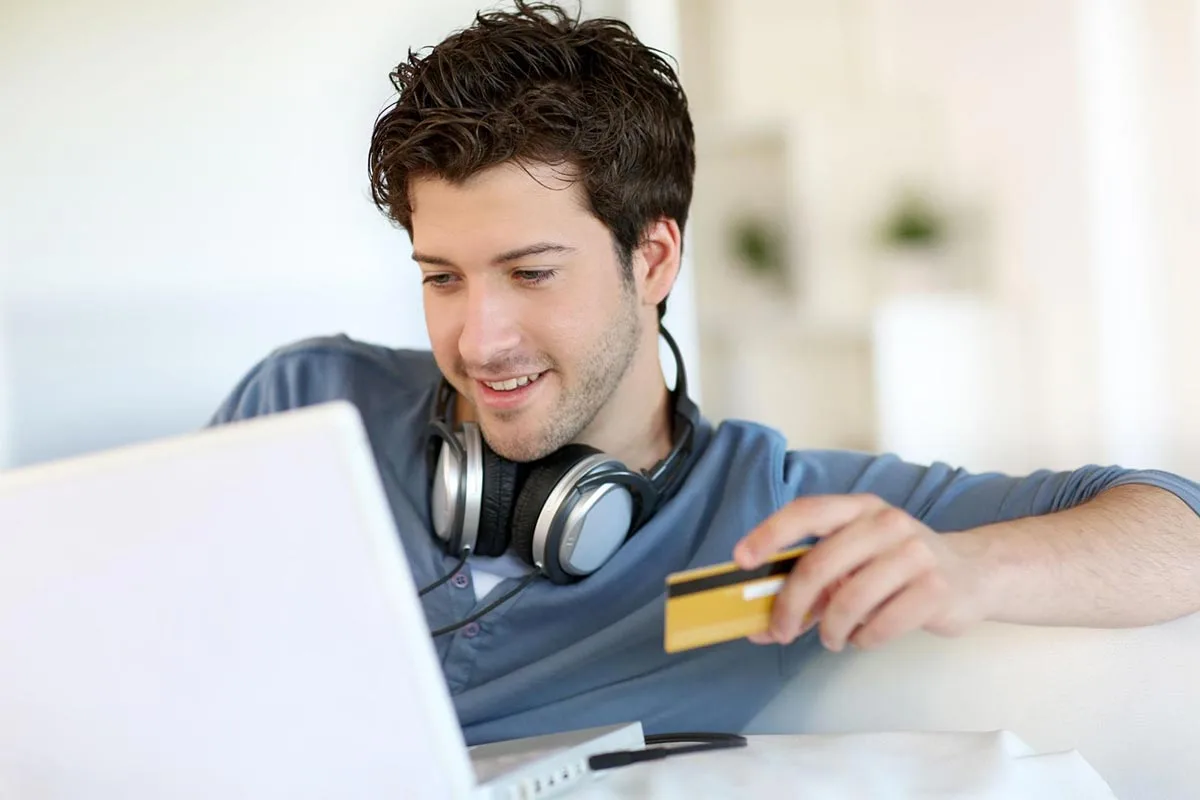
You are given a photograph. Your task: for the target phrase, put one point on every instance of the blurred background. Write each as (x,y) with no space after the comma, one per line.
(956,231)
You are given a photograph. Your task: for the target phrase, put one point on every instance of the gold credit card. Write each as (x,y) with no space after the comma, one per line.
(715,604)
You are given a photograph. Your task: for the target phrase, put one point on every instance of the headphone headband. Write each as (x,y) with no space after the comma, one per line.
(667,473)
(566,513)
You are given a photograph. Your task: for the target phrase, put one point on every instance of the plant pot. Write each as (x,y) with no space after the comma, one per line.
(913,270)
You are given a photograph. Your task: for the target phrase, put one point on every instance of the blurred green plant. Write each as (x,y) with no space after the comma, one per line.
(758,246)
(913,222)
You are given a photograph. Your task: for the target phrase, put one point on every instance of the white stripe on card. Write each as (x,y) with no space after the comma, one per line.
(753,591)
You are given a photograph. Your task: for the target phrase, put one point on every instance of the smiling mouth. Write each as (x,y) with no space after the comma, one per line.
(512,384)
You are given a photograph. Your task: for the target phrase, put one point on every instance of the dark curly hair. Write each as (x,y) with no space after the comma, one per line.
(535,84)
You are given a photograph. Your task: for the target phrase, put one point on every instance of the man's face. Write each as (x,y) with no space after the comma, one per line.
(528,311)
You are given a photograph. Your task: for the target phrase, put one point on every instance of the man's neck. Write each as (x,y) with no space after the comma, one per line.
(642,447)
(635,425)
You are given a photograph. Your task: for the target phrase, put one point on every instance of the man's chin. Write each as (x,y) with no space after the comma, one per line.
(517,451)
(513,442)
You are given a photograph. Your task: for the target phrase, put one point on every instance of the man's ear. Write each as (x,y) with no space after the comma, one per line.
(656,260)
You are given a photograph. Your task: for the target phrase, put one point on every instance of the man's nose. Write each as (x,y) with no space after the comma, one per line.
(489,330)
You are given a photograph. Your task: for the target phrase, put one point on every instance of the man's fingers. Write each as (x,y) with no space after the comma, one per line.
(907,611)
(853,604)
(799,519)
(834,558)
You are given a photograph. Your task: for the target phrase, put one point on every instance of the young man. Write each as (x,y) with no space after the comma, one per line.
(543,169)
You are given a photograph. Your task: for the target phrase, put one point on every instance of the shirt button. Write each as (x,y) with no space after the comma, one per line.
(460,580)
(471,630)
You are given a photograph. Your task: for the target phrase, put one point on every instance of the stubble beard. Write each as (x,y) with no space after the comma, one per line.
(599,373)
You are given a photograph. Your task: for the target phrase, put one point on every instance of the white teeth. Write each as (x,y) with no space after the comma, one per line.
(512,383)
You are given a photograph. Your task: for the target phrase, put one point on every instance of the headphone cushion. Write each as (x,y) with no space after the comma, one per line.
(496,505)
(536,490)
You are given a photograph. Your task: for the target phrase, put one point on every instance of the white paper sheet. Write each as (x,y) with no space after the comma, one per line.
(878,766)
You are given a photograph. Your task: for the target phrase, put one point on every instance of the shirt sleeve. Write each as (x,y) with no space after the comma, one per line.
(285,380)
(244,401)
(949,499)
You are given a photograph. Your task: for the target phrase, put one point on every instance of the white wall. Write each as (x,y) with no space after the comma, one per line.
(6,443)
(657,23)
(980,101)
(1126,256)
(1171,44)
(1006,77)
(184,188)
(1071,127)
(1079,120)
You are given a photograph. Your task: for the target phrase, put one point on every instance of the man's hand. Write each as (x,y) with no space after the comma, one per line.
(875,573)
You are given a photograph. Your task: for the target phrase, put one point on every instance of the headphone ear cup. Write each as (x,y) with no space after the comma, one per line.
(536,490)
(496,509)
(446,504)
(534,493)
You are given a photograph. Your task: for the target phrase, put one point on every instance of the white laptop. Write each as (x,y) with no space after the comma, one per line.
(229,614)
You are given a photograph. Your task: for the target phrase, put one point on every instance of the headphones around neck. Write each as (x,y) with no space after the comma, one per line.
(565,514)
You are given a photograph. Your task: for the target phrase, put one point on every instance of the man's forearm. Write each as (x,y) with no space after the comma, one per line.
(1128,557)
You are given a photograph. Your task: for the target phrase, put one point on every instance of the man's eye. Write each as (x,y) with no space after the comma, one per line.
(437,279)
(534,276)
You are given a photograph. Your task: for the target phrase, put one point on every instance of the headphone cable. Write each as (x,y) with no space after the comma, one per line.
(461,562)
(490,607)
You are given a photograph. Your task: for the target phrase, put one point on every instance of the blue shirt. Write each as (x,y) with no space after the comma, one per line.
(565,657)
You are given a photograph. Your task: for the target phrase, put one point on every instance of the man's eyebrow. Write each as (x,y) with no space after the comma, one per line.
(422,258)
(540,248)
(533,250)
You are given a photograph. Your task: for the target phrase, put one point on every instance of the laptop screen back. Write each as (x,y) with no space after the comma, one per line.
(226,614)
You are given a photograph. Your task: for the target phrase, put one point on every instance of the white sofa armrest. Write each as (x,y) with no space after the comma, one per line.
(1128,700)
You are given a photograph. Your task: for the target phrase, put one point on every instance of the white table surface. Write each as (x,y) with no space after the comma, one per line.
(851,766)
